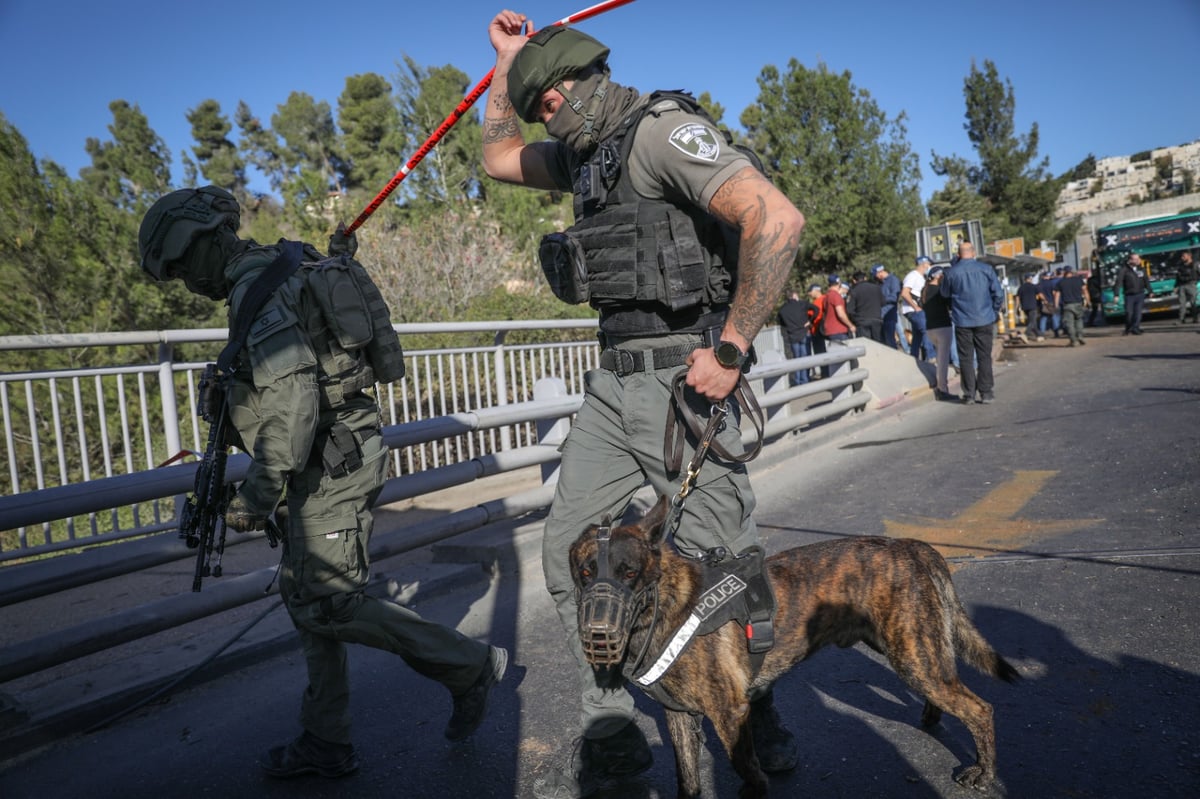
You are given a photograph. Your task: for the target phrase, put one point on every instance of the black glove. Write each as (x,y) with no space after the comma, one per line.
(240,518)
(341,244)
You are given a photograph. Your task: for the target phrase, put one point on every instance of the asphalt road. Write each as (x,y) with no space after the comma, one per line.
(1068,509)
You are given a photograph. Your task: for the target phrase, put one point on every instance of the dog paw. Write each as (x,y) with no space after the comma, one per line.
(975,777)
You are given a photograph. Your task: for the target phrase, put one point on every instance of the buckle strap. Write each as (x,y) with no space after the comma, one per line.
(627,362)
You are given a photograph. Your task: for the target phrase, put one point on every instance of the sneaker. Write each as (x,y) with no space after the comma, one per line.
(966,399)
(309,754)
(471,705)
(987,399)
(774,743)
(598,764)
(1082,342)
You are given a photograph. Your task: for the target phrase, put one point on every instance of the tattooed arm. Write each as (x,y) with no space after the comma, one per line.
(770,235)
(506,156)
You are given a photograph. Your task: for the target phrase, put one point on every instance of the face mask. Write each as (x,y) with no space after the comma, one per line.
(578,129)
(202,267)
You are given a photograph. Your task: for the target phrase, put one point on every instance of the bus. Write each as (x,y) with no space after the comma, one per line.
(1159,241)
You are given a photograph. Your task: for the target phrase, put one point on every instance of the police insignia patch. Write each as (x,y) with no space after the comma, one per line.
(696,140)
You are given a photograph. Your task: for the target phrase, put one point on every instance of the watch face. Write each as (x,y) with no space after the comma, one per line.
(728,354)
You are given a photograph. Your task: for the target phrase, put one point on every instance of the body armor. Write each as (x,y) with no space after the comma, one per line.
(649,266)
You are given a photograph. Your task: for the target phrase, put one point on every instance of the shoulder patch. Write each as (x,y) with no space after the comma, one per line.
(266,323)
(696,140)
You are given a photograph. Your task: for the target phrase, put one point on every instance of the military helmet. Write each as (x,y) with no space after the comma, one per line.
(176,219)
(549,56)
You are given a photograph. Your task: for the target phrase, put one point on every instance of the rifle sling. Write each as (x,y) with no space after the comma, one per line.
(271,278)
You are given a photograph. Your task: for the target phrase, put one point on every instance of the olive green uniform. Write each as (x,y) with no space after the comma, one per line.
(616,442)
(276,406)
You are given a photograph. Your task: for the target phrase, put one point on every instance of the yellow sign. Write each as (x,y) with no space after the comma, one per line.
(1009,248)
(991,525)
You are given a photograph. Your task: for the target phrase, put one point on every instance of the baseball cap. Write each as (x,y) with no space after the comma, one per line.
(877,268)
(833,280)
(923,259)
(937,270)
(814,287)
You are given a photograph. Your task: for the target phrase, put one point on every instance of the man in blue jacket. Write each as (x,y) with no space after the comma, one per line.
(976,298)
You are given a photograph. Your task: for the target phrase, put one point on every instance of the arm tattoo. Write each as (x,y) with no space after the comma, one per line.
(496,130)
(768,249)
(505,126)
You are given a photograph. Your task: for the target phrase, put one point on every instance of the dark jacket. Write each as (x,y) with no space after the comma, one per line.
(865,301)
(794,318)
(975,293)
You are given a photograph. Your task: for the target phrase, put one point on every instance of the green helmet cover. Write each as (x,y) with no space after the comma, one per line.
(549,56)
(176,219)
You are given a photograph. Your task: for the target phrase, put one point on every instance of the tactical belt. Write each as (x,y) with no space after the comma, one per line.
(627,362)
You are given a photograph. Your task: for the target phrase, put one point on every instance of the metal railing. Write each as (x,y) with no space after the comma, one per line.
(552,405)
(69,426)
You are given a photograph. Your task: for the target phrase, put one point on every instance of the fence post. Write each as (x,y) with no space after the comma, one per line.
(842,367)
(498,364)
(551,431)
(166,390)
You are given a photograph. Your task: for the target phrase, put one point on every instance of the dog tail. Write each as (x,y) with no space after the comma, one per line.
(973,648)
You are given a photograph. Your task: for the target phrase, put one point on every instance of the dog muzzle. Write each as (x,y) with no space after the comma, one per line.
(607,609)
(606,613)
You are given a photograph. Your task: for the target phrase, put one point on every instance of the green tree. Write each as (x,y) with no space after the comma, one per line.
(216,157)
(133,169)
(372,137)
(848,166)
(1019,192)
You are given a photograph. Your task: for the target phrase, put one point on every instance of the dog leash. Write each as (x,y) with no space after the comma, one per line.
(681,419)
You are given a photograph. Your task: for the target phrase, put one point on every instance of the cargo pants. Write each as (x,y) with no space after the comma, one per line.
(613,449)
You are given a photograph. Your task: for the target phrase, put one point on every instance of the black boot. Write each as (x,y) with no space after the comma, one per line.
(309,754)
(599,763)
(773,743)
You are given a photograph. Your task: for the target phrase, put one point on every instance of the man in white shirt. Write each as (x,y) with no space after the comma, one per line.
(910,308)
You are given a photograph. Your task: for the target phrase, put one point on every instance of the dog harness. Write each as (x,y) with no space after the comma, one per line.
(734,589)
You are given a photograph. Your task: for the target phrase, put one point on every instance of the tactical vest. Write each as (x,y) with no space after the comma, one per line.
(649,266)
(352,336)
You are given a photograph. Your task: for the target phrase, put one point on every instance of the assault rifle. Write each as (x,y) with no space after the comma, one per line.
(204,512)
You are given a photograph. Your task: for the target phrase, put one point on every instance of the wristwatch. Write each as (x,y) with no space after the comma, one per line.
(729,355)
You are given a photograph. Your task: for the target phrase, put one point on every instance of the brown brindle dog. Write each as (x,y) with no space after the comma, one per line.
(895,595)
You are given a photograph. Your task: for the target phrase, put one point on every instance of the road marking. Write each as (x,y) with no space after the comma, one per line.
(991,525)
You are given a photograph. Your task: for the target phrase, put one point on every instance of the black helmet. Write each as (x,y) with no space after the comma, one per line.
(551,55)
(176,219)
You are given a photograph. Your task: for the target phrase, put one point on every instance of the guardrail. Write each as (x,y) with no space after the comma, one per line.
(70,426)
(552,406)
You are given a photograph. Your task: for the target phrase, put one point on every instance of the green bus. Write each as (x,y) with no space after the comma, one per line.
(1159,241)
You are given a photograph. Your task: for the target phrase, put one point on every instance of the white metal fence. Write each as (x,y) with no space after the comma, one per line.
(68,426)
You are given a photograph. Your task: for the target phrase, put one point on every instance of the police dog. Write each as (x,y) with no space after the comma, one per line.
(895,595)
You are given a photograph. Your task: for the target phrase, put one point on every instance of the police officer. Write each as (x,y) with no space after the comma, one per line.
(300,400)
(663,205)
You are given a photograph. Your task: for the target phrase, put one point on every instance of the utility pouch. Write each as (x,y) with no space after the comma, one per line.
(340,454)
(337,291)
(211,395)
(565,267)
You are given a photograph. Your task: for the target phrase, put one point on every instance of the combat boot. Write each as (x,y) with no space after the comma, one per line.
(471,704)
(773,743)
(309,754)
(598,764)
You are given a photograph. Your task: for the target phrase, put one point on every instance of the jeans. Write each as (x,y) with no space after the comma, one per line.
(893,333)
(921,348)
(1133,311)
(942,338)
(799,350)
(975,345)
(1032,317)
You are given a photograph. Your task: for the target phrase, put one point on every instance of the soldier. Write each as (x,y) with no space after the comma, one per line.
(301,402)
(663,205)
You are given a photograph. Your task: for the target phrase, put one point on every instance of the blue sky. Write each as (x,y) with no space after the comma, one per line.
(1106,77)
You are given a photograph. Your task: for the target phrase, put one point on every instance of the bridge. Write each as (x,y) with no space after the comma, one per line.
(1067,509)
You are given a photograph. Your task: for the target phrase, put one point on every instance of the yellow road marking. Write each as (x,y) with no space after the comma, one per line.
(991,525)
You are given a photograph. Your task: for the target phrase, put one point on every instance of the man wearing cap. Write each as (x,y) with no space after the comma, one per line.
(1134,285)
(794,318)
(893,335)
(910,308)
(684,247)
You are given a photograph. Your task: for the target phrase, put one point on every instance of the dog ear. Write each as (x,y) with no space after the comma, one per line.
(651,525)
